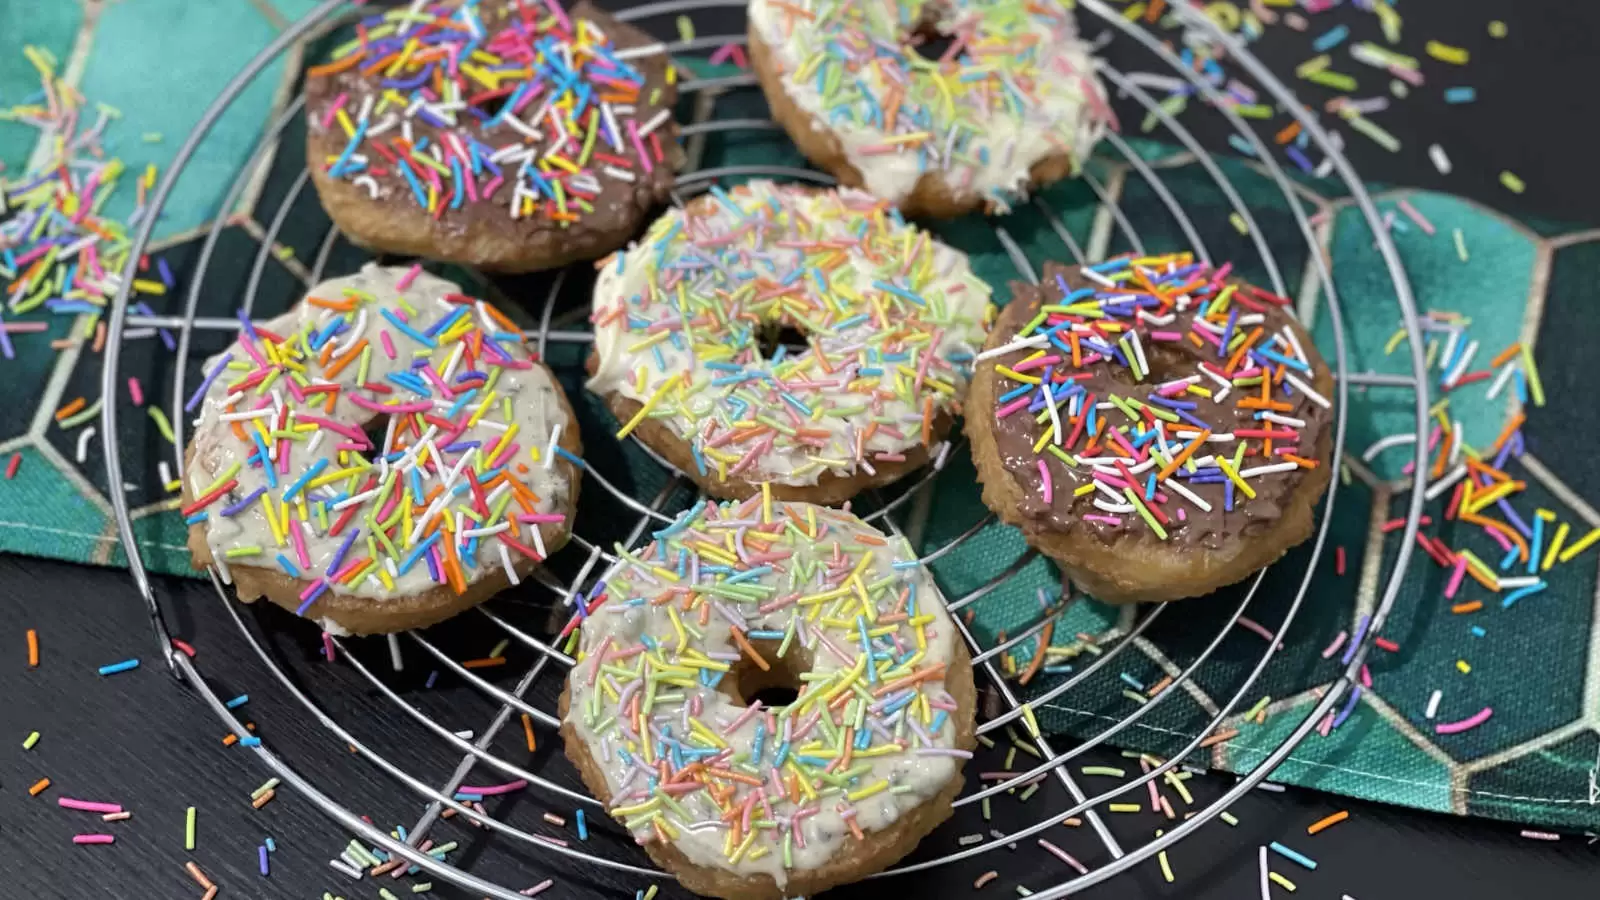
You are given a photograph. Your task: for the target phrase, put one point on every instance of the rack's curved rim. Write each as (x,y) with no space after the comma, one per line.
(185,669)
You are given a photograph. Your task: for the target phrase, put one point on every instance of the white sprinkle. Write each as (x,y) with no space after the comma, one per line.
(165,472)
(505,562)
(1032,342)
(1384,443)
(1306,389)
(1270,469)
(1440,160)
(1501,379)
(550,448)
(395,660)
(84,437)
(346,868)
(1187,494)
(1433,705)
(1445,483)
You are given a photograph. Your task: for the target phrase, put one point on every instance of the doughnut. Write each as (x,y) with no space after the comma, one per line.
(1158,429)
(418,460)
(1013,104)
(505,134)
(771,697)
(880,321)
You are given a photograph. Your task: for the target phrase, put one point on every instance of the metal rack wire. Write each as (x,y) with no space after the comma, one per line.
(900,509)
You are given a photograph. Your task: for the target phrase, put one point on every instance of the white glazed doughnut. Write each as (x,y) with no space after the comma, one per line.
(409,441)
(1012,103)
(891,320)
(744,800)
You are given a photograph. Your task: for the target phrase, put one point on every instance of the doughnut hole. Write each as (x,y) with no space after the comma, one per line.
(776,686)
(375,429)
(781,334)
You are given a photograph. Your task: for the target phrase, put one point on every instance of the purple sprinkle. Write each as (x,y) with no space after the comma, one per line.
(1355,641)
(1349,706)
(263,857)
(205,385)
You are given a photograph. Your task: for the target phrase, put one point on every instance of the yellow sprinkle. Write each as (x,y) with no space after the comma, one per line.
(1029,720)
(1464,667)
(1239,224)
(1555,547)
(1582,545)
(1513,184)
(1124,807)
(1281,881)
(1530,372)
(1447,53)
(876,787)
(1497,29)
(648,405)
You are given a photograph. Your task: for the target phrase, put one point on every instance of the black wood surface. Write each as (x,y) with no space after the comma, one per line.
(143,740)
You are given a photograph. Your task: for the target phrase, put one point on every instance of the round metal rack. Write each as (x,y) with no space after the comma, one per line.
(900,509)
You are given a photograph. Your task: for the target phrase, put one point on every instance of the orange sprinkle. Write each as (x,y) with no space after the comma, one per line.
(335,67)
(485,663)
(1038,653)
(71,408)
(33,649)
(1470,607)
(1288,134)
(38,787)
(527,731)
(1506,433)
(1505,356)
(744,645)
(1154,11)
(264,799)
(1328,822)
(1182,456)
(1220,736)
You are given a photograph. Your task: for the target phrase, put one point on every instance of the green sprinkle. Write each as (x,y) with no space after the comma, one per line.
(32,739)
(1513,184)
(162,425)
(1239,224)
(188,829)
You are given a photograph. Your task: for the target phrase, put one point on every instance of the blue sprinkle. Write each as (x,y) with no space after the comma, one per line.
(1331,38)
(238,701)
(1460,94)
(123,666)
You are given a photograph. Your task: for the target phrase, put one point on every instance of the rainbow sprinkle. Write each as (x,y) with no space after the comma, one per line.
(516,104)
(733,598)
(1015,86)
(451,478)
(889,317)
(1150,448)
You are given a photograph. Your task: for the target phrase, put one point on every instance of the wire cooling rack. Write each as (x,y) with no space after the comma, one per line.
(901,509)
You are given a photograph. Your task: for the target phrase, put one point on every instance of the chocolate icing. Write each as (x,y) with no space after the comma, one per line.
(1016,434)
(619,208)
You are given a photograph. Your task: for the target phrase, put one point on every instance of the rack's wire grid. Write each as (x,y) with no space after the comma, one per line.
(588,559)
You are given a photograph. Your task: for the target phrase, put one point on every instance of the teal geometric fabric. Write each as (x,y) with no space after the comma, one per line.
(1536,663)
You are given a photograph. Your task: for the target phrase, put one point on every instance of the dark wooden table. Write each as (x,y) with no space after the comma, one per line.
(142,739)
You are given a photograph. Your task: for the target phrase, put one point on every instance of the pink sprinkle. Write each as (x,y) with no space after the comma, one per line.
(13,466)
(539,888)
(388,345)
(410,276)
(327,646)
(644,155)
(491,790)
(1064,856)
(93,839)
(1166,336)
(87,805)
(1455,578)
(1334,647)
(1035,363)
(1417,217)
(1338,560)
(1009,408)
(1466,724)
(1047,487)
(1252,625)
(136,391)
(338,104)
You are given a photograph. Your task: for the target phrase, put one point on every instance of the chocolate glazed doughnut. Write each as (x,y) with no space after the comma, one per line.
(1156,428)
(505,134)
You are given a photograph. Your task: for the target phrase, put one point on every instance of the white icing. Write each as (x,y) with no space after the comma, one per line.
(627,616)
(638,294)
(534,404)
(1015,125)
